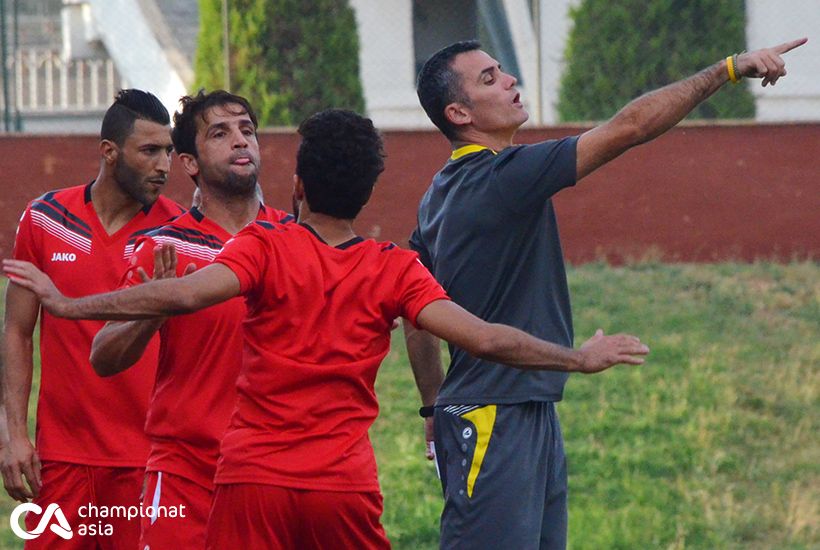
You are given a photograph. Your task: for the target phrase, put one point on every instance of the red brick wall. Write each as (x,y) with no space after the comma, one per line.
(698,193)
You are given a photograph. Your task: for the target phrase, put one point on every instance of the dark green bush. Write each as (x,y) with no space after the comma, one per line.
(290,58)
(621,49)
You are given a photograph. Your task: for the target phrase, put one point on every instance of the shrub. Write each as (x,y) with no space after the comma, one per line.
(620,50)
(288,57)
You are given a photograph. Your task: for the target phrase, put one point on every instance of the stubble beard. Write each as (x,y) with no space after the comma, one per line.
(230,184)
(129,181)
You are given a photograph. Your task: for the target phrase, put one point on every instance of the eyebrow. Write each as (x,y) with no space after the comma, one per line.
(155,144)
(225,126)
(489,70)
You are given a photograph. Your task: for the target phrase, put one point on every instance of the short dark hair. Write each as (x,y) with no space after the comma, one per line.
(184,133)
(130,105)
(339,160)
(439,85)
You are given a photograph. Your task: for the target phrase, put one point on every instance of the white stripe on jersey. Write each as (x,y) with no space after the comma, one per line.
(198,251)
(61,232)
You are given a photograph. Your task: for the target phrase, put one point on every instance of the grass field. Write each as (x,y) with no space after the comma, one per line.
(709,445)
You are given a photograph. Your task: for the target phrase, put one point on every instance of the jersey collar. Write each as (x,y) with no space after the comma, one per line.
(342,246)
(469,149)
(87,198)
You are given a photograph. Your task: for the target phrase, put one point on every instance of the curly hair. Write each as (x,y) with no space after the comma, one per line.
(129,105)
(184,133)
(439,85)
(339,160)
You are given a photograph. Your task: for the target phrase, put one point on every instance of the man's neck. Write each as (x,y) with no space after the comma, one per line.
(496,141)
(334,231)
(230,213)
(114,207)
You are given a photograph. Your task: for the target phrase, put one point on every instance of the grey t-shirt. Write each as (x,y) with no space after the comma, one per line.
(487,231)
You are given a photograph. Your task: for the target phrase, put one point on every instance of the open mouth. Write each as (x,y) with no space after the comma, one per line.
(517,99)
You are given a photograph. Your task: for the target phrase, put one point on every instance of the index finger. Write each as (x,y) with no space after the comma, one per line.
(788,46)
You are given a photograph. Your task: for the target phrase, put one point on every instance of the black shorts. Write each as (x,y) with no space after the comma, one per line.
(504,476)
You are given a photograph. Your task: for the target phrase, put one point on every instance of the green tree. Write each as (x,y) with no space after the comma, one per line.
(620,50)
(290,58)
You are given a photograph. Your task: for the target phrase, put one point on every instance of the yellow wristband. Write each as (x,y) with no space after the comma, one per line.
(730,67)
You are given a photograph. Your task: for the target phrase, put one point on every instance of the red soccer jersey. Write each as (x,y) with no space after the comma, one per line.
(82,418)
(318,327)
(199,358)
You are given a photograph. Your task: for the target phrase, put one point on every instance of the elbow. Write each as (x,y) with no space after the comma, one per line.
(489,344)
(184,302)
(103,364)
(633,133)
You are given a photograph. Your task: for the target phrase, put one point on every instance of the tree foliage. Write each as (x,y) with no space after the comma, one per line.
(620,50)
(290,58)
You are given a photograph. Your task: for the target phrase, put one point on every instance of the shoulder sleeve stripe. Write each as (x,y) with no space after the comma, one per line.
(59,214)
(189,236)
(49,198)
(266,225)
(60,231)
(188,248)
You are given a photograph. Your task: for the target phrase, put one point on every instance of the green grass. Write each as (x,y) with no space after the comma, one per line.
(708,445)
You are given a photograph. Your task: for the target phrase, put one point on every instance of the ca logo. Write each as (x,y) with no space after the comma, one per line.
(61,528)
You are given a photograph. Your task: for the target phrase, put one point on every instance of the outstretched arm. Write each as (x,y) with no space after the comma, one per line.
(120,344)
(508,345)
(652,114)
(206,287)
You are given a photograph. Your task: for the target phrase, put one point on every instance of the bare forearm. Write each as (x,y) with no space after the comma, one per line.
(121,344)
(425,359)
(656,112)
(511,346)
(514,347)
(645,118)
(17,374)
(146,301)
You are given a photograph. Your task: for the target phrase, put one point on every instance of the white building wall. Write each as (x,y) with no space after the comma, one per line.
(768,23)
(386,63)
(555,26)
(133,36)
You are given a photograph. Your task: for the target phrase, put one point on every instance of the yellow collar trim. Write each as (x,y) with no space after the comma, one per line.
(469,149)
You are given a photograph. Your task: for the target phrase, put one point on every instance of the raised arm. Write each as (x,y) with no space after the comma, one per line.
(206,287)
(510,346)
(652,114)
(21,465)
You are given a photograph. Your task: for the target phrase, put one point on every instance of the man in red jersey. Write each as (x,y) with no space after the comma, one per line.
(82,236)
(297,469)
(200,354)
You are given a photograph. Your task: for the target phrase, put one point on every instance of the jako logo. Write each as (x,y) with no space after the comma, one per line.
(61,528)
(63,257)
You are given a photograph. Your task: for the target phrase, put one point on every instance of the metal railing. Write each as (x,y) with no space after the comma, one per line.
(45,82)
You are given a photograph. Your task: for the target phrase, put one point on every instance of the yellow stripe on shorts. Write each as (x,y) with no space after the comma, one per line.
(483,419)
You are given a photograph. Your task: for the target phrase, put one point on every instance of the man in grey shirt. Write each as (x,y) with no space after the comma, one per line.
(487,231)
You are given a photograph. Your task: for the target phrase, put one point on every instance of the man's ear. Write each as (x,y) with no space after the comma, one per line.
(109,151)
(298,188)
(458,114)
(189,164)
